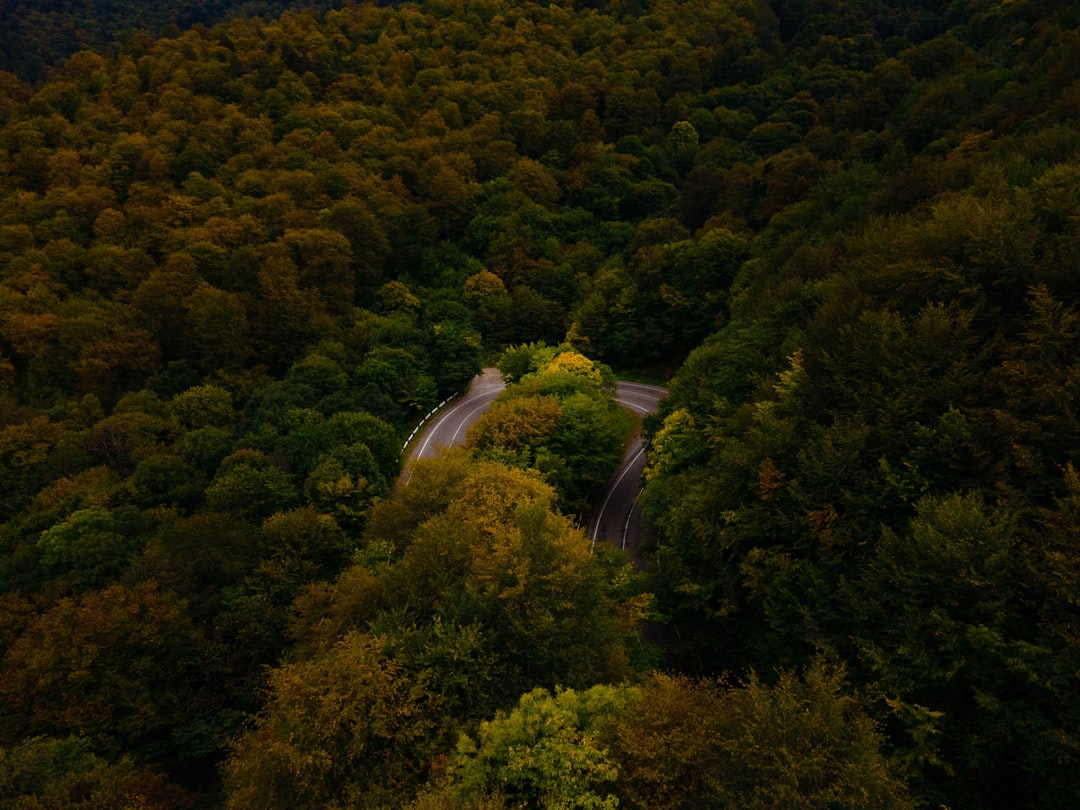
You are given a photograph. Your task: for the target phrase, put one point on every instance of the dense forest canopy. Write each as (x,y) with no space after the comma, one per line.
(244,248)
(37,35)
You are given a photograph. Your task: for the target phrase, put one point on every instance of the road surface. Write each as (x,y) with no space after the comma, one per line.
(448,427)
(615,517)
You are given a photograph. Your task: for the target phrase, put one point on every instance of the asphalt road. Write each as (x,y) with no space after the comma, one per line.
(448,427)
(615,517)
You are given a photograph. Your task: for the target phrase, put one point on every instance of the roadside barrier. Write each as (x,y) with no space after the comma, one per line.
(423,422)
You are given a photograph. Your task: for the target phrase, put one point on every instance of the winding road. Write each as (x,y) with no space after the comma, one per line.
(449,426)
(615,518)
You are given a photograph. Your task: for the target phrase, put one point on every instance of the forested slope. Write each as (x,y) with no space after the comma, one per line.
(238,262)
(37,35)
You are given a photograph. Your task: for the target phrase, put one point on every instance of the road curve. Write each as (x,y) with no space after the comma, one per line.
(449,426)
(615,517)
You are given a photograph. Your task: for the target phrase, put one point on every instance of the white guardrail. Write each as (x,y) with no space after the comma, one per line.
(423,422)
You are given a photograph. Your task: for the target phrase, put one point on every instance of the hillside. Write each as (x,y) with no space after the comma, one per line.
(240,260)
(37,36)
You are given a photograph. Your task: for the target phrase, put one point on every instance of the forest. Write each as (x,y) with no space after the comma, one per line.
(246,247)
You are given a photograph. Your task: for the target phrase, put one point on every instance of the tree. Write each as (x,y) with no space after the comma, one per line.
(403,377)
(947,640)
(287,317)
(42,773)
(203,406)
(324,262)
(544,753)
(345,483)
(367,238)
(496,556)
(123,667)
(158,303)
(217,325)
(609,315)
(24,448)
(345,729)
(800,742)
(91,547)
(489,303)
(122,439)
(456,352)
(249,483)
(316,381)
(299,546)
(559,418)
(589,442)
(519,425)
(395,296)
(357,427)
(102,352)
(482,591)
(202,559)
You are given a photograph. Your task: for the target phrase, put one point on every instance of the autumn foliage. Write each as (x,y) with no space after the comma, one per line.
(246,247)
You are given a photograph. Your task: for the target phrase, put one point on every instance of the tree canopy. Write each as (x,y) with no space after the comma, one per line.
(246,247)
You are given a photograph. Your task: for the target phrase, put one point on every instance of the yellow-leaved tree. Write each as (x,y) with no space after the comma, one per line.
(469,591)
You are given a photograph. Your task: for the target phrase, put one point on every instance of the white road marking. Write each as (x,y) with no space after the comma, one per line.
(633,405)
(642,398)
(434,428)
(603,506)
(480,407)
(629,516)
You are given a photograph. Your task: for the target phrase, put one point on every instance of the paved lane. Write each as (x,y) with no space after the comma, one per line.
(615,517)
(448,427)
